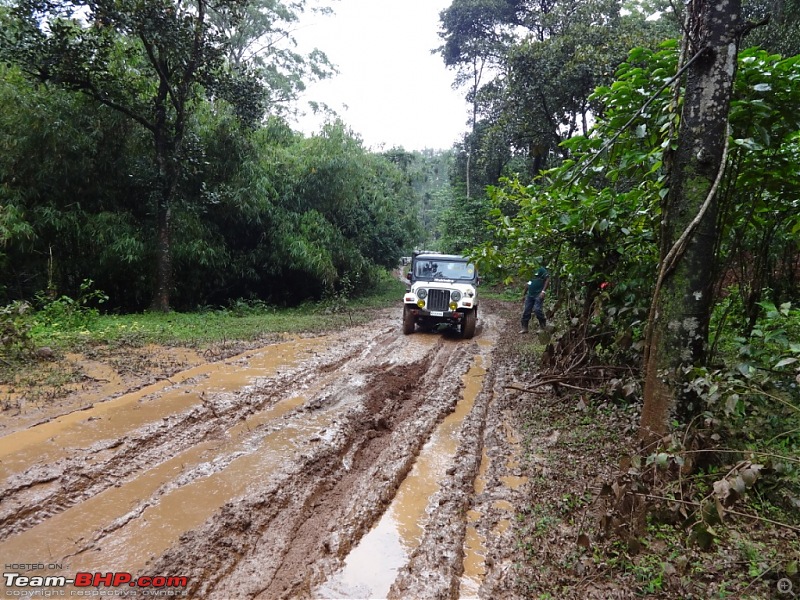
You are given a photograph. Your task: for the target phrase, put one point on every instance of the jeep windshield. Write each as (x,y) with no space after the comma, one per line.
(454,270)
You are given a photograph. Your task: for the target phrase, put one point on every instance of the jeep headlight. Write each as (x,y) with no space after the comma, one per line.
(455,296)
(422,293)
(421,303)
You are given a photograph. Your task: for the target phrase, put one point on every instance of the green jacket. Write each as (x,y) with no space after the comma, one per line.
(536,284)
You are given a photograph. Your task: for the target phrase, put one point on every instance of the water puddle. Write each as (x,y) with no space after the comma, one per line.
(513,463)
(371,568)
(409,351)
(503,505)
(514,482)
(474,544)
(140,518)
(112,419)
(147,515)
(474,556)
(480,480)
(502,526)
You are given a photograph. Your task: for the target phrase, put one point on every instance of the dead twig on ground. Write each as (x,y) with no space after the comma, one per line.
(553,382)
(727,510)
(522,389)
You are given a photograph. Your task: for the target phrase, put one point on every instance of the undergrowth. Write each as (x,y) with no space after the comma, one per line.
(712,512)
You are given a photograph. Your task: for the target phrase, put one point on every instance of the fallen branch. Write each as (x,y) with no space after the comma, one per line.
(580,389)
(553,382)
(521,389)
(611,368)
(560,379)
(727,510)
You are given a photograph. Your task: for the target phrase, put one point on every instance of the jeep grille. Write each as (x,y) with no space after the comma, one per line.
(438,299)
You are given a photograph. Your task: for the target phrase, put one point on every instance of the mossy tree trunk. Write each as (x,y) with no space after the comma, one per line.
(679,319)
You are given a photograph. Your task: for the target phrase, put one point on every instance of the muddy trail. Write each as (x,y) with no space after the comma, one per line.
(357,464)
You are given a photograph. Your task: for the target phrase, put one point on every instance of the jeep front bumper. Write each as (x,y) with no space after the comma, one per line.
(445,315)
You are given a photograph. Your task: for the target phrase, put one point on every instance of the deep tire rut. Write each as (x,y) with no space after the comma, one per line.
(306,459)
(29,497)
(332,498)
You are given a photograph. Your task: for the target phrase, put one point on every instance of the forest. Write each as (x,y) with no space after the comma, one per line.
(150,153)
(646,153)
(651,164)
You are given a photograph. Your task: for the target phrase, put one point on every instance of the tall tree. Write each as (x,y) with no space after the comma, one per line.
(530,67)
(477,35)
(261,37)
(679,318)
(151,60)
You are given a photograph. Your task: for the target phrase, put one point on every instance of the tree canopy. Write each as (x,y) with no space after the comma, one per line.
(157,63)
(164,181)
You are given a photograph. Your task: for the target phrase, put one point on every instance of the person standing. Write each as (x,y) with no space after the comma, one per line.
(534,298)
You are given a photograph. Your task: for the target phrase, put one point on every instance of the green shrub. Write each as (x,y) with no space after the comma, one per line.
(15,331)
(68,314)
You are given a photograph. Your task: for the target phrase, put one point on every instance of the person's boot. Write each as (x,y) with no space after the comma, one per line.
(524,329)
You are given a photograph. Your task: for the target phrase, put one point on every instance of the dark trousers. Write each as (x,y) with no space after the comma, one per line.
(535,305)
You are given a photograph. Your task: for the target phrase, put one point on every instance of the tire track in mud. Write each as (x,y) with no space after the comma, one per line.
(45,490)
(367,402)
(301,528)
(60,477)
(434,569)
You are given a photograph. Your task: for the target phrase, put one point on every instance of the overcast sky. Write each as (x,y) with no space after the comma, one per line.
(390,89)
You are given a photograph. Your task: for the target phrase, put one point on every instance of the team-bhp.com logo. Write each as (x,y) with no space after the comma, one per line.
(87,580)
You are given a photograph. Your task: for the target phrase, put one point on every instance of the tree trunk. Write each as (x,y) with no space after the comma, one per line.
(166,161)
(678,325)
(163,283)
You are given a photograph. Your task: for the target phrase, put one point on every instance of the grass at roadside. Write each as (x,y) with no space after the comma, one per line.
(63,328)
(34,365)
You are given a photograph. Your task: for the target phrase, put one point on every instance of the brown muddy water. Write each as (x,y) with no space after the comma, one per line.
(316,467)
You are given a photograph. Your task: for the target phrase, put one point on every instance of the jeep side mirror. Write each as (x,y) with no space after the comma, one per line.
(408,276)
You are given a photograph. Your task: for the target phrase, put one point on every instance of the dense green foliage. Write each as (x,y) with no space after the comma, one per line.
(596,222)
(268,214)
(151,62)
(100,185)
(596,218)
(161,181)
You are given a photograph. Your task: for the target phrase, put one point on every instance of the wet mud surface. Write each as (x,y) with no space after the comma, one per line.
(357,464)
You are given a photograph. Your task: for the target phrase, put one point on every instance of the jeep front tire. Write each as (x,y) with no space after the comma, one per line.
(468,326)
(408,320)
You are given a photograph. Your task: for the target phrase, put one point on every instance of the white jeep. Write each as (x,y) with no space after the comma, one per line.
(443,290)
